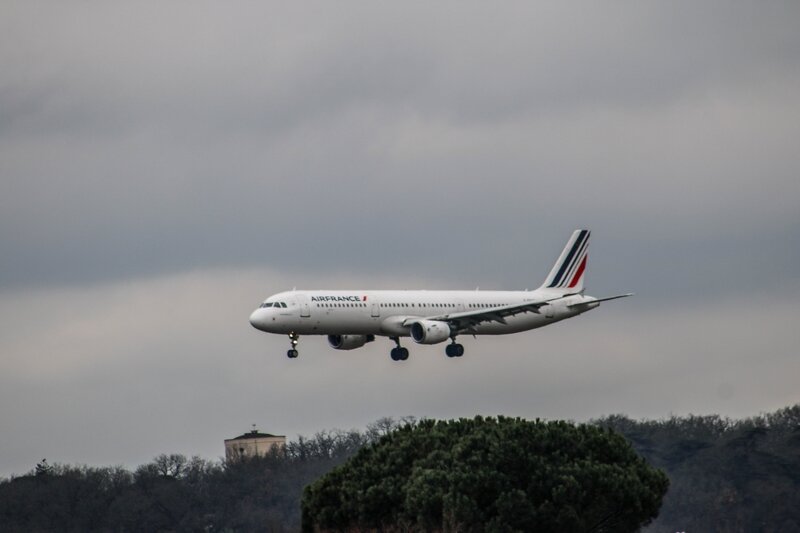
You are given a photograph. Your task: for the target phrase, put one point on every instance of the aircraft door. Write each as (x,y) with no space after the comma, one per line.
(376,310)
(305,309)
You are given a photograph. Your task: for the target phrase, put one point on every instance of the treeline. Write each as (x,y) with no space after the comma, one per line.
(725,475)
(176,493)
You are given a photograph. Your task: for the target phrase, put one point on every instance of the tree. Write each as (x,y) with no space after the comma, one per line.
(493,474)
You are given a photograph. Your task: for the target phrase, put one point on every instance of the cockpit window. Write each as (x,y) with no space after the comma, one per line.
(273,304)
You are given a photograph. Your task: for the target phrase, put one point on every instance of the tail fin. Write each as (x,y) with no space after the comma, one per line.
(568,271)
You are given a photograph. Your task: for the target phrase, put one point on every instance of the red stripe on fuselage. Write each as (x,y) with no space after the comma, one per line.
(579,273)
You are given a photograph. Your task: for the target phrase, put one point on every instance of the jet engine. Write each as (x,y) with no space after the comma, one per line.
(349,342)
(430,331)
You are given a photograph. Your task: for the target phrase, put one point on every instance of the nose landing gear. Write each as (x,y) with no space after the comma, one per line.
(292,353)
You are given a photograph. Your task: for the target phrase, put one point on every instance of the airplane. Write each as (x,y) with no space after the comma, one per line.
(353,318)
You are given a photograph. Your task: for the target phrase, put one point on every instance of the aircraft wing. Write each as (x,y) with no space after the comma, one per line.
(467,320)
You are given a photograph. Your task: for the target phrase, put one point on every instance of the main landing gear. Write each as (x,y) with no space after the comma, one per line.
(454,349)
(399,353)
(292,353)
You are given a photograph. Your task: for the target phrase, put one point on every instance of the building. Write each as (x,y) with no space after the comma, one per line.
(253,444)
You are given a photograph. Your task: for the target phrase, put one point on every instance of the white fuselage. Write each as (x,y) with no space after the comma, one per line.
(351,319)
(337,312)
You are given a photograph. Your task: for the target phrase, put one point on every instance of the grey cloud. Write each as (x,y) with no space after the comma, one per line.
(271,66)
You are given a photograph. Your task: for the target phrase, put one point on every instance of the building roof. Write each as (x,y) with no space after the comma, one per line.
(257,435)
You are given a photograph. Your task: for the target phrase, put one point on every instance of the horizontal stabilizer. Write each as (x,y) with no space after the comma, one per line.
(597,301)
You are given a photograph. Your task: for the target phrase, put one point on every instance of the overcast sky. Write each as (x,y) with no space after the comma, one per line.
(165,167)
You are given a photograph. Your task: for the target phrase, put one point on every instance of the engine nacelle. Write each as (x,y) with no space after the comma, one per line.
(349,342)
(430,331)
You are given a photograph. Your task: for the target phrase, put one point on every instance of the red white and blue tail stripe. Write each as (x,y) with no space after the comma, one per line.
(568,271)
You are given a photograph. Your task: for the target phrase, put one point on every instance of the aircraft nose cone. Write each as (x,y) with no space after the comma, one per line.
(258,320)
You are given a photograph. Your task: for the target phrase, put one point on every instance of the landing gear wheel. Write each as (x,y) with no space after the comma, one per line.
(454,350)
(399,354)
(291,354)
